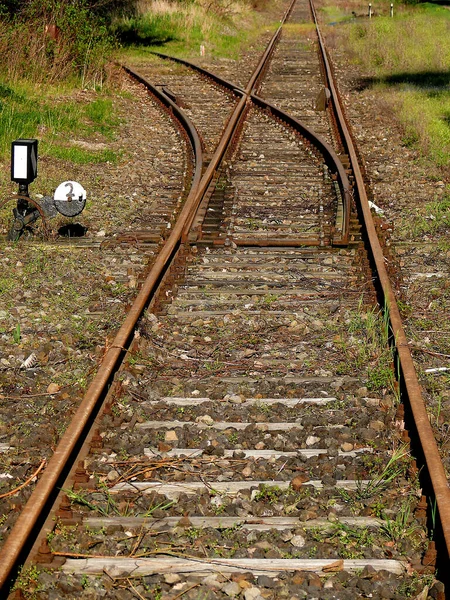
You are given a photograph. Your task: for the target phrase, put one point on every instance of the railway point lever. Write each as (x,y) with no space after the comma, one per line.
(69,198)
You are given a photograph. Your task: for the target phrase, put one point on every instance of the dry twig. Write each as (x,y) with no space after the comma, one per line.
(12,492)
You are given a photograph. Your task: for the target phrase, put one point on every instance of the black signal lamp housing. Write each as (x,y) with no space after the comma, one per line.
(24,154)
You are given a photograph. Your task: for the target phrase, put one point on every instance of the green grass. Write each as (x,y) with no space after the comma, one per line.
(82,157)
(183,29)
(28,113)
(406,59)
(103,117)
(433,218)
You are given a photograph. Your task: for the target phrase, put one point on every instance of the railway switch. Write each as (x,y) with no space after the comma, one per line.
(69,198)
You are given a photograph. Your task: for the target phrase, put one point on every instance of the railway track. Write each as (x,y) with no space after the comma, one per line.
(244,435)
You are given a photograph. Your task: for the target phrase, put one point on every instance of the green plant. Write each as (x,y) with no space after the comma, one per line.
(433,504)
(400,527)
(105,508)
(394,468)
(405,58)
(17,334)
(83,157)
(432,218)
(193,533)
(31,114)
(183,27)
(411,587)
(229,532)
(160,506)
(381,480)
(268,493)
(381,376)
(233,438)
(84,582)
(269,299)
(28,580)
(265,408)
(78,45)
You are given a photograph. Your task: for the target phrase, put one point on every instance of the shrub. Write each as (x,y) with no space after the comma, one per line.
(49,40)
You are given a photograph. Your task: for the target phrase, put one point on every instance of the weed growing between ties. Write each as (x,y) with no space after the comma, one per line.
(28,581)
(365,346)
(406,60)
(380,480)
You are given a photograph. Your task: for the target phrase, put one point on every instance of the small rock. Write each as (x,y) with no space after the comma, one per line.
(423,595)
(247,471)
(171,436)
(266,582)
(287,535)
(53,388)
(311,440)
(171,578)
(369,435)
(232,589)
(216,501)
(263,545)
(299,578)
(234,398)
(346,447)
(206,419)
(211,581)
(317,324)
(437,591)
(260,446)
(297,482)
(314,581)
(298,541)
(112,475)
(252,593)
(162,447)
(244,584)
(377,425)
(252,536)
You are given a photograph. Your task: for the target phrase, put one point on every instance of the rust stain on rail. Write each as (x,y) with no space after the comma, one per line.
(427,440)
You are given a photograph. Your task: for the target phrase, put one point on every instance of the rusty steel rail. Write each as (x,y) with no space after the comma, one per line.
(34,513)
(187,125)
(331,158)
(435,467)
(62,459)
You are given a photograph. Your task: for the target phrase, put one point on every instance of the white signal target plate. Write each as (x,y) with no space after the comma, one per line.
(70,198)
